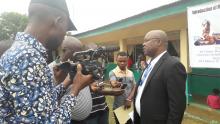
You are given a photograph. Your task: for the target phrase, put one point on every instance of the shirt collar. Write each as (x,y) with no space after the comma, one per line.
(121,71)
(155,60)
(30,40)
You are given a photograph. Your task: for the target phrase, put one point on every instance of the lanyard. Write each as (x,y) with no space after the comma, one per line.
(145,74)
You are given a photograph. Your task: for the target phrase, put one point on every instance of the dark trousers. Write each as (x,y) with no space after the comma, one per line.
(155,121)
(100,117)
(78,122)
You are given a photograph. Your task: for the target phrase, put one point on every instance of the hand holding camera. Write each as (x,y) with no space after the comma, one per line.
(79,81)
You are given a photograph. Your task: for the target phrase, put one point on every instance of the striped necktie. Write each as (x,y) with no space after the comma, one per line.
(145,74)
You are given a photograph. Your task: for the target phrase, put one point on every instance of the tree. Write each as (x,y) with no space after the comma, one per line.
(11,23)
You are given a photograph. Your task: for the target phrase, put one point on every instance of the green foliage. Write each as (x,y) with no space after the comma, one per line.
(11,23)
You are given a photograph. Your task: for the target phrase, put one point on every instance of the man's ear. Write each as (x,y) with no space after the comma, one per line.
(159,42)
(57,21)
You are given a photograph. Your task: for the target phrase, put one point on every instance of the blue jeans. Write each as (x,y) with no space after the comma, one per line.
(100,117)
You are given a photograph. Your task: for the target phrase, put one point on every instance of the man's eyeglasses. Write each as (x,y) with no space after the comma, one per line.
(150,39)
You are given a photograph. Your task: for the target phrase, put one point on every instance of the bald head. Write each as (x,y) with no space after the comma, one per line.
(155,42)
(72,43)
(157,34)
(69,46)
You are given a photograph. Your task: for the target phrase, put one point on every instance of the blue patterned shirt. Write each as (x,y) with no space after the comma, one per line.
(27,93)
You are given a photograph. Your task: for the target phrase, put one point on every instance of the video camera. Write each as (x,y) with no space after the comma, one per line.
(91,61)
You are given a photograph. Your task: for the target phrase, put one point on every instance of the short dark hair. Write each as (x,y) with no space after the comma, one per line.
(216,91)
(122,54)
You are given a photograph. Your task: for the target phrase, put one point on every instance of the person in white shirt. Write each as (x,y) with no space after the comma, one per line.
(83,107)
(160,93)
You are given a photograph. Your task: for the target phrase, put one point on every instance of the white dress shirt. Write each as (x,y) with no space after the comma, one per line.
(141,87)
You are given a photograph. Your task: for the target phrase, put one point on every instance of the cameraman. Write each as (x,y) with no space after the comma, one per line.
(83,108)
(68,47)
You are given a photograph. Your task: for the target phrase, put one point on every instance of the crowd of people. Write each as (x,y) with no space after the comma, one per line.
(34,91)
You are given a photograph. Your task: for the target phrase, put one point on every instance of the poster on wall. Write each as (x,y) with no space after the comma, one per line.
(204,35)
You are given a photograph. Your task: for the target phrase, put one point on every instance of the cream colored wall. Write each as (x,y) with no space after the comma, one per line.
(184,54)
(122,45)
(134,34)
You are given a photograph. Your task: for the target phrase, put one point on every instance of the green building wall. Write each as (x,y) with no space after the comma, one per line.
(202,81)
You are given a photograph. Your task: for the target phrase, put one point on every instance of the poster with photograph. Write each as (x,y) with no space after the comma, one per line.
(204,35)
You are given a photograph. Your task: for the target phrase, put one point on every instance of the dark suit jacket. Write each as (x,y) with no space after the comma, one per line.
(163,100)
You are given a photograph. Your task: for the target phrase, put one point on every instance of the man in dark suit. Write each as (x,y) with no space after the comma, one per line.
(160,95)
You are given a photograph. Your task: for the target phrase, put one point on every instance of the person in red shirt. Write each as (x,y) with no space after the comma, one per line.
(130,62)
(213,100)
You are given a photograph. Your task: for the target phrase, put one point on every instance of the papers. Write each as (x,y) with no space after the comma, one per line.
(123,115)
(131,115)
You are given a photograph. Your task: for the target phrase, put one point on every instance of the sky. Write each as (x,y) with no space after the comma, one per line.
(91,14)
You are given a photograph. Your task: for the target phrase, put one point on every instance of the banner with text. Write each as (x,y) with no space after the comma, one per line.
(204,35)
